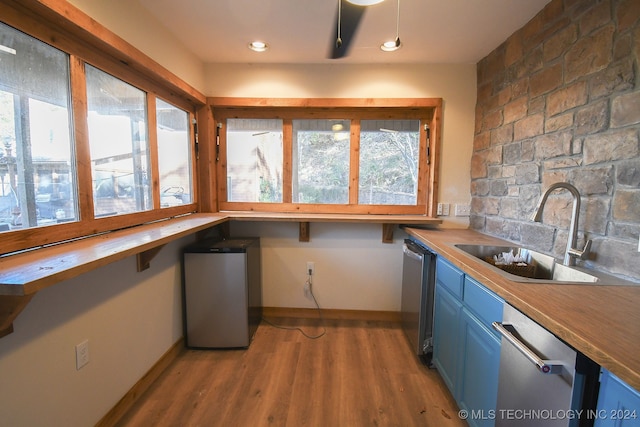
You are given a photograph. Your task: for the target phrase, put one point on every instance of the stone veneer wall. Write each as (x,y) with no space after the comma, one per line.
(560,101)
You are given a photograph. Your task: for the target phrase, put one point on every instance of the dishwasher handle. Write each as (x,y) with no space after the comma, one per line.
(544,366)
(411,254)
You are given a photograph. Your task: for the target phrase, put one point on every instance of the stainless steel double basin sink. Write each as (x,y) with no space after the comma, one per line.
(540,268)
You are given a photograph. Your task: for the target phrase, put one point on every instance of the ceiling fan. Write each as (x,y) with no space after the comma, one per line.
(348,16)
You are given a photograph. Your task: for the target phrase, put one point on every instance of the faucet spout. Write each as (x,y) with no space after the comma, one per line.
(572,252)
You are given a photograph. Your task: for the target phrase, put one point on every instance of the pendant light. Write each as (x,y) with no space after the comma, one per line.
(338,38)
(394,45)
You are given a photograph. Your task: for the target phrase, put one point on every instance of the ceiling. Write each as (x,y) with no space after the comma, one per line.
(302,31)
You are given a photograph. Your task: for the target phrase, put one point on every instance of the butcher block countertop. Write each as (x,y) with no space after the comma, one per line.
(601,321)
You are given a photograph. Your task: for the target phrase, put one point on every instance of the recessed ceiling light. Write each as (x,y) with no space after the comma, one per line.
(365,2)
(258,46)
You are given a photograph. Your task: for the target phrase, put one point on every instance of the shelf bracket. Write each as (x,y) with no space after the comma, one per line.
(143,259)
(304,232)
(387,233)
(10,307)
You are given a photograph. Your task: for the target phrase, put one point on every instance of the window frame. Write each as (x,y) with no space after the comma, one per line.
(427,110)
(63,28)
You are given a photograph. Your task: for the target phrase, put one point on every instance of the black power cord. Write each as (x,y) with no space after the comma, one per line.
(308,285)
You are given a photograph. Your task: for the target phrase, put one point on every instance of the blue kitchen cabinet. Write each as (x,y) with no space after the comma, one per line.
(446,320)
(618,403)
(466,350)
(477,390)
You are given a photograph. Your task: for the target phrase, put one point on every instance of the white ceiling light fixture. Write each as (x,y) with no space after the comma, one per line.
(365,2)
(258,46)
(393,45)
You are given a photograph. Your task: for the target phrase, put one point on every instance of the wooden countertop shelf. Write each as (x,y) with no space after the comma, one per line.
(24,274)
(388,221)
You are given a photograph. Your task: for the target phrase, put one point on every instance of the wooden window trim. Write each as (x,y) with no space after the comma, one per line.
(427,109)
(67,28)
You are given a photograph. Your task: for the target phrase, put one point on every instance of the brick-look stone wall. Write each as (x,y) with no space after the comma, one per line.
(560,101)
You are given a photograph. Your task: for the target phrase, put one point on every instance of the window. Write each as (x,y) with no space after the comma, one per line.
(174,155)
(254,160)
(84,148)
(321,161)
(389,155)
(37,174)
(327,157)
(119,150)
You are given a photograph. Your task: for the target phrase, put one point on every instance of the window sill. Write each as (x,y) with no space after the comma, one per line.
(24,274)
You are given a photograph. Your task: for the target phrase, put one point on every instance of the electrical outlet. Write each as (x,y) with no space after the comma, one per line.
(311,268)
(462,210)
(82,354)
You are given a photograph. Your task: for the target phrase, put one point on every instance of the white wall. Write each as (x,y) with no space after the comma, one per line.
(130,319)
(132,22)
(354,270)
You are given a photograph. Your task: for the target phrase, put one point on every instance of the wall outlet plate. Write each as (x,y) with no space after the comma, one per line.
(311,268)
(462,210)
(82,354)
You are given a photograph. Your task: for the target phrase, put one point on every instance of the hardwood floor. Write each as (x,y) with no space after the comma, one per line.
(360,373)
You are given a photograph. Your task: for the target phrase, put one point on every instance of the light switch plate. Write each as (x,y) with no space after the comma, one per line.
(443,209)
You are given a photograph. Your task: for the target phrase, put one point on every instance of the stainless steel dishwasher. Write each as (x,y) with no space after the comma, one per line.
(542,381)
(418,283)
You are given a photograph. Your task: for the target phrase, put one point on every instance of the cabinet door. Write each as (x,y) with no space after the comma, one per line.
(618,404)
(445,335)
(478,371)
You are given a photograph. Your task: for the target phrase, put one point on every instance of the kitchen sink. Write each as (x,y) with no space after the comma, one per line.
(537,267)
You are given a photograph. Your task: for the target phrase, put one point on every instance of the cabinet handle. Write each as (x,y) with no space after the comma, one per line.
(544,366)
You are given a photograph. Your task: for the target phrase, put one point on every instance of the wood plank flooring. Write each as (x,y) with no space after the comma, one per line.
(360,373)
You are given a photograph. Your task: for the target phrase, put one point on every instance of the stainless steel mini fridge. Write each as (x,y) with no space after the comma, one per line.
(222,293)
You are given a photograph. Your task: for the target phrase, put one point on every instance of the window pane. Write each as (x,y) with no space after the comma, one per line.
(389,153)
(118,143)
(254,160)
(37,177)
(321,161)
(174,155)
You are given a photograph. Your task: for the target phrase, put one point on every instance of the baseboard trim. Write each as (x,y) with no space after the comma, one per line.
(132,396)
(312,313)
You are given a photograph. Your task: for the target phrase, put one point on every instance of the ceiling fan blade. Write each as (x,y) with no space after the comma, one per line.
(349,20)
